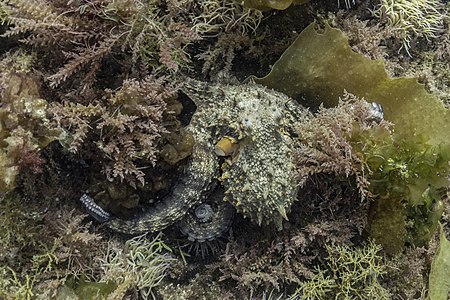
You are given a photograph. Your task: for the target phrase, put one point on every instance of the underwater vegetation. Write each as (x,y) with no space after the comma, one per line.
(409,165)
(347,274)
(61,259)
(270,4)
(213,18)
(341,201)
(125,126)
(25,126)
(416,18)
(89,31)
(39,250)
(439,285)
(142,264)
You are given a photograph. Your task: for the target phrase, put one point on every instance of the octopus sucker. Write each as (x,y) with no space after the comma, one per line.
(95,210)
(258,179)
(209,220)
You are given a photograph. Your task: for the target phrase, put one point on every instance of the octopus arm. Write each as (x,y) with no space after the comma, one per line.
(189,190)
(201,92)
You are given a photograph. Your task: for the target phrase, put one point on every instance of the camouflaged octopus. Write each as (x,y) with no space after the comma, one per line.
(251,124)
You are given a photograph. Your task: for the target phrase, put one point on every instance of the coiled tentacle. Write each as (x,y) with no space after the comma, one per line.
(190,189)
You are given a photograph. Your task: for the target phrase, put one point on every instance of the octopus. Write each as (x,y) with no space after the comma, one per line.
(241,161)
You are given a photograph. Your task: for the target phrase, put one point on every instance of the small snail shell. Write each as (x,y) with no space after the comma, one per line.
(226,146)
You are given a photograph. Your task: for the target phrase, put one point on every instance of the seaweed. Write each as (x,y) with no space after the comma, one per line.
(348,273)
(85,33)
(53,252)
(25,126)
(412,19)
(125,126)
(407,168)
(39,250)
(87,108)
(439,286)
(267,4)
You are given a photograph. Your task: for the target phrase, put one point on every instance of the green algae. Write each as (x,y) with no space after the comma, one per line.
(439,285)
(347,273)
(94,290)
(407,168)
(76,289)
(271,4)
(319,66)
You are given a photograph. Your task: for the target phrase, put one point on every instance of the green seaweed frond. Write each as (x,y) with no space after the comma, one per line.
(317,288)
(439,285)
(47,260)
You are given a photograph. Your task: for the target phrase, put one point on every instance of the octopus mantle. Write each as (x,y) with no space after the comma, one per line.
(257,180)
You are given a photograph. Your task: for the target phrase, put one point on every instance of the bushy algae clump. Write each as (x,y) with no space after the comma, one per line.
(125,126)
(40,249)
(216,17)
(407,169)
(348,273)
(52,255)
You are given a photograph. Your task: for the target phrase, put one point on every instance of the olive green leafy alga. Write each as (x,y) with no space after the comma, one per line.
(439,283)
(270,4)
(407,168)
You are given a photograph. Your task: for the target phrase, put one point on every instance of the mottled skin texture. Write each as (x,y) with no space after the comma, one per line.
(258,180)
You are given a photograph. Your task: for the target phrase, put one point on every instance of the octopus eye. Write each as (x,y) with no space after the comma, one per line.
(204,213)
(226,146)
